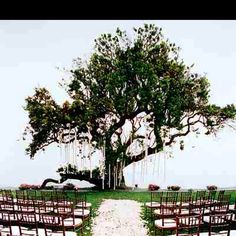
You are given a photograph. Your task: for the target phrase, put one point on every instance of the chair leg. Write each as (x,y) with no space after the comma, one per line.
(152,214)
(81,230)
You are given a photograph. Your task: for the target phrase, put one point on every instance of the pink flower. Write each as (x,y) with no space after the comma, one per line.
(29,186)
(153,187)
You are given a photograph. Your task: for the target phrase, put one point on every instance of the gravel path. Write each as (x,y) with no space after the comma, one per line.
(119,218)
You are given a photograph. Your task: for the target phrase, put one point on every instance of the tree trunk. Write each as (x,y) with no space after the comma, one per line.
(46,181)
(96,181)
(116,178)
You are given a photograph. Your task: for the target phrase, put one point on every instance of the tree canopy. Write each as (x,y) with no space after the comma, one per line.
(125,85)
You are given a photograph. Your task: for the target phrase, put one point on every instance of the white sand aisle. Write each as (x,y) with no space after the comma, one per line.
(119,218)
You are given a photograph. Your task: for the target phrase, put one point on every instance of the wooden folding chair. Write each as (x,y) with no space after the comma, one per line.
(188,225)
(155,202)
(29,224)
(21,195)
(58,224)
(220,224)
(221,206)
(167,212)
(221,193)
(200,196)
(80,199)
(210,198)
(184,201)
(82,207)
(25,205)
(9,224)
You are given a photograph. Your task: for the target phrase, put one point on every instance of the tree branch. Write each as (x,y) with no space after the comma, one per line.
(189,124)
(139,157)
(79,176)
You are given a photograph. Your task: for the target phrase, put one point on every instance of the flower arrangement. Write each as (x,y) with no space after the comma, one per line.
(24,186)
(211,187)
(35,186)
(153,187)
(173,187)
(28,186)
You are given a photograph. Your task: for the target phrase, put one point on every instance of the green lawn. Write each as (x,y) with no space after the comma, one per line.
(96,197)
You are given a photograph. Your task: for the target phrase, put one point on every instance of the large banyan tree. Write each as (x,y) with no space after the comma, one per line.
(131,99)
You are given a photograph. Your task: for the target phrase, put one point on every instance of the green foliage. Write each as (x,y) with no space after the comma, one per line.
(72,169)
(125,79)
(173,187)
(211,187)
(69,186)
(68,169)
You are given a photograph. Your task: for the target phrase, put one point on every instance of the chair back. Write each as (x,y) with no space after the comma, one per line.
(200,196)
(64,208)
(53,222)
(189,223)
(47,195)
(7,195)
(185,197)
(168,206)
(8,206)
(27,219)
(211,196)
(60,195)
(25,205)
(219,222)
(5,220)
(31,194)
(220,195)
(21,194)
(156,197)
(169,198)
(221,206)
(197,208)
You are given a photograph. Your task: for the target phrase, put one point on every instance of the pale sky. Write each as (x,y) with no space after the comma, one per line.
(31,51)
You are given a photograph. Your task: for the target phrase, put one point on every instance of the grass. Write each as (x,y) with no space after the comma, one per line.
(96,197)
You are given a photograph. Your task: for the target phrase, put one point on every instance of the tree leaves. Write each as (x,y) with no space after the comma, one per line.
(123,79)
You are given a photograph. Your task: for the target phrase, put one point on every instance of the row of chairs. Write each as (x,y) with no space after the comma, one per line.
(44,210)
(45,195)
(175,211)
(27,223)
(219,224)
(75,196)
(183,198)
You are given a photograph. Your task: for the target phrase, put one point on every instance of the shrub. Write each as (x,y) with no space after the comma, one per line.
(34,186)
(28,186)
(69,186)
(211,187)
(173,187)
(153,187)
(48,187)
(24,186)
